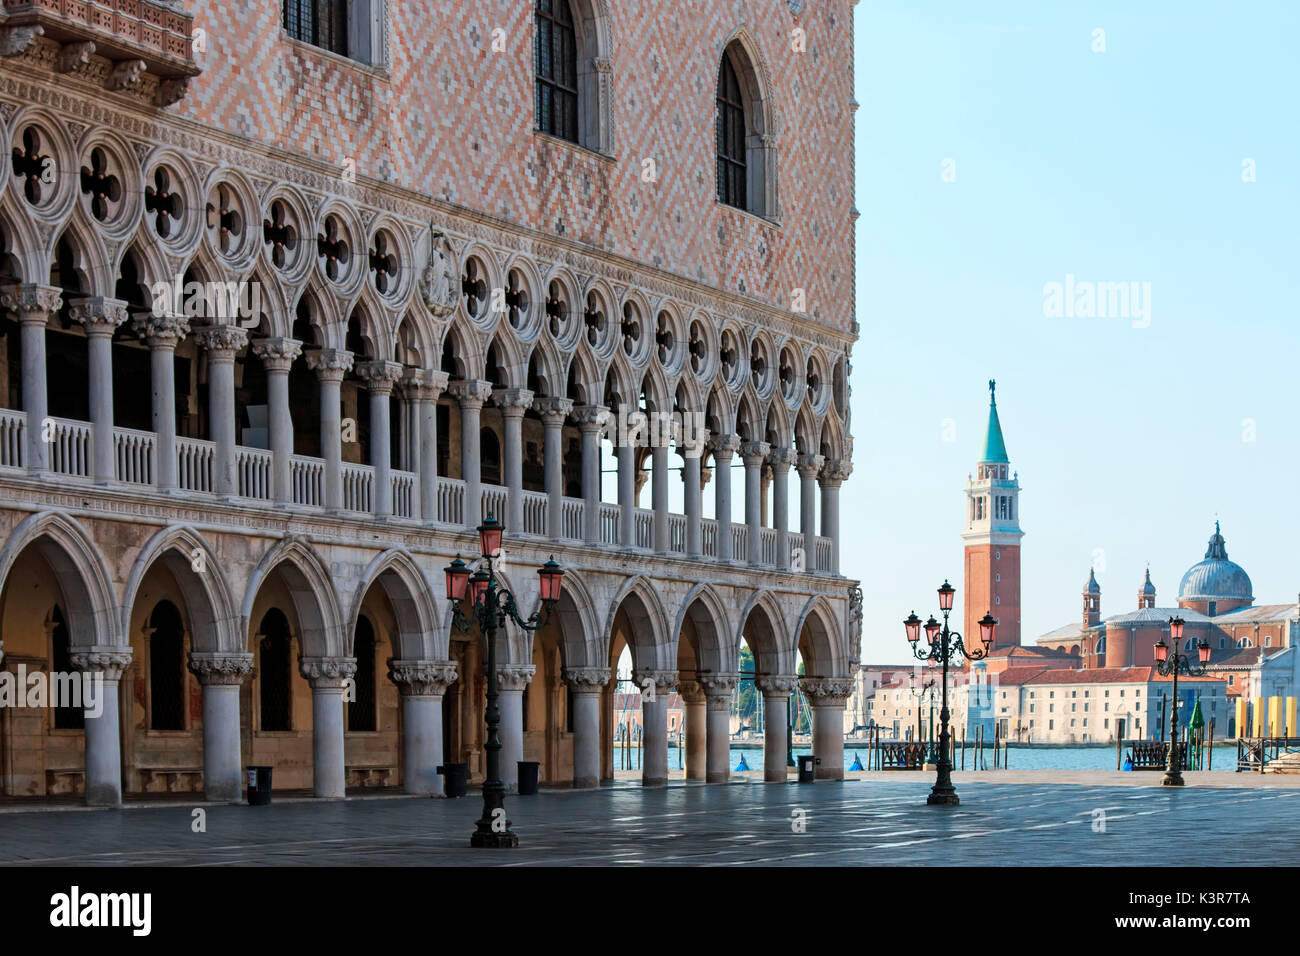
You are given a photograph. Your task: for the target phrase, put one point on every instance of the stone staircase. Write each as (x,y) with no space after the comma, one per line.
(1284,763)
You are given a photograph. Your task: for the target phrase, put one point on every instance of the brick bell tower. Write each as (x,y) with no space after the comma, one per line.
(992,538)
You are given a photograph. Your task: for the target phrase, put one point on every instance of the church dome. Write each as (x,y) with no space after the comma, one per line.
(1216,578)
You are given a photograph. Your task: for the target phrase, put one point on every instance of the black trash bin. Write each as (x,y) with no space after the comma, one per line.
(455,779)
(806,764)
(259,786)
(528,772)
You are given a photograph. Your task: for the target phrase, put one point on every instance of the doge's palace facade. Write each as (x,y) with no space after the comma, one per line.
(295,292)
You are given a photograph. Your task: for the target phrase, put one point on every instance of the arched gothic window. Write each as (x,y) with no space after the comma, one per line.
(361,712)
(273,674)
(166,668)
(555,45)
(732,175)
(746,148)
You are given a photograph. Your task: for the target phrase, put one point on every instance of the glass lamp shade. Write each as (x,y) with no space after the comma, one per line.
(931,629)
(1176,629)
(945,596)
(457,579)
(1162,651)
(913,625)
(551,575)
(478,584)
(987,625)
(1203,652)
(489,537)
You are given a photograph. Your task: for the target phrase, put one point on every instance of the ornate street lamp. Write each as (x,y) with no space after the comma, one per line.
(490,605)
(1179,663)
(946,647)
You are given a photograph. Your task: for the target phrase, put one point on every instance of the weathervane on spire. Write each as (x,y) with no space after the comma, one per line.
(993,384)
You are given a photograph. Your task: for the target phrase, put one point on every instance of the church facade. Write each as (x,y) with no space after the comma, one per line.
(295,294)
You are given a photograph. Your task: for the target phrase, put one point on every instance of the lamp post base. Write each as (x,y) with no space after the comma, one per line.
(943,798)
(1172,778)
(504,840)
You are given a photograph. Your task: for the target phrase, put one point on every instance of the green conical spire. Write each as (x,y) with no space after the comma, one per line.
(995,449)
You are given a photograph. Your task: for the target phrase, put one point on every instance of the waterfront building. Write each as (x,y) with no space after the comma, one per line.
(295,293)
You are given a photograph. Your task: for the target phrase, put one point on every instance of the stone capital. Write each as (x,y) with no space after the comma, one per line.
(228,669)
(221,341)
(553,410)
(587,680)
(691,691)
(663,680)
(471,393)
(330,365)
(380,376)
(31,304)
(827,690)
(810,466)
(755,453)
(422,678)
(514,677)
(424,385)
(717,686)
(724,446)
(591,419)
(776,685)
(277,354)
(99,315)
(108,661)
(835,471)
(161,331)
(513,402)
(781,459)
(327,672)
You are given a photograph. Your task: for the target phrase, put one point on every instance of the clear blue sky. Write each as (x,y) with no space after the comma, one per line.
(1117,166)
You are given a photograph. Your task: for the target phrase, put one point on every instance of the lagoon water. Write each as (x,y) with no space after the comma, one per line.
(1044,757)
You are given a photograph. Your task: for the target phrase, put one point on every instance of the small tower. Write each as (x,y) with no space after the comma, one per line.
(1091,601)
(992,537)
(1147,594)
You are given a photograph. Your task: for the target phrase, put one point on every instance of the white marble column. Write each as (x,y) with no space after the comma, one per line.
(696,733)
(776,701)
(827,696)
(719,689)
(654,719)
(780,460)
(754,454)
(659,495)
(330,365)
(103,667)
(626,495)
(221,676)
(513,402)
(511,681)
(380,377)
(554,411)
(100,317)
(471,394)
(832,476)
(809,467)
(422,685)
(277,357)
(221,343)
(31,307)
(692,494)
(724,447)
(591,420)
(431,385)
(585,685)
(328,677)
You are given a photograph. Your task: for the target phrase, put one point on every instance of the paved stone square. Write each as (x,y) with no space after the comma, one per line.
(870,822)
